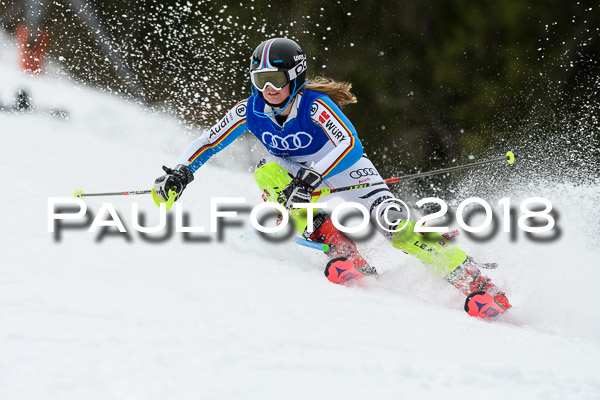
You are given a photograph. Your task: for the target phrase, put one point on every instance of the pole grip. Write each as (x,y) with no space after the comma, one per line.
(79,193)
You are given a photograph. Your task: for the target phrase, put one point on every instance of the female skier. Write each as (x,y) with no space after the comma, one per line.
(313,145)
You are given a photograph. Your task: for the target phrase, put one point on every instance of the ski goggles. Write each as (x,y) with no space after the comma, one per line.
(265,77)
(276,78)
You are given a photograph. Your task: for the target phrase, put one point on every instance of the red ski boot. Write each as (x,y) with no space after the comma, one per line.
(482,294)
(346,263)
(340,270)
(483,305)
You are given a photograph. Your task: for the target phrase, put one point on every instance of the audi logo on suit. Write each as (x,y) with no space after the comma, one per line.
(359,173)
(294,141)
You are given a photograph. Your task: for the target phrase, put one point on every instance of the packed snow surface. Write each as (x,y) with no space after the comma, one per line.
(120,316)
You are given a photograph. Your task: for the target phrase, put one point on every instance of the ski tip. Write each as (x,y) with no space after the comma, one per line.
(510,157)
(78,193)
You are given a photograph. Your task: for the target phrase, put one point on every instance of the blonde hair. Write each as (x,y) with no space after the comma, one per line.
(339,92)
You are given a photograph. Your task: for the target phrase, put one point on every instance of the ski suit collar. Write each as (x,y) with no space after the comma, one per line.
(293,112)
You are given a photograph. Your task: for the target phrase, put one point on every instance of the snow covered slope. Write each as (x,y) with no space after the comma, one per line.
(117,316)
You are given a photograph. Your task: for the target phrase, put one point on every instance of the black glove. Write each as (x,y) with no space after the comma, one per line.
(300,189)
(176,179)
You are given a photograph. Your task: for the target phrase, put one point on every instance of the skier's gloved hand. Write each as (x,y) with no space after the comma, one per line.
(176,179)
(300,189)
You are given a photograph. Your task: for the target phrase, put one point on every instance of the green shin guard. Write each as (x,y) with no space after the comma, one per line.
(429,247)
(271,179)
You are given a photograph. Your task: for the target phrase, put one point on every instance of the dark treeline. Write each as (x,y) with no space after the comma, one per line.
(436,80)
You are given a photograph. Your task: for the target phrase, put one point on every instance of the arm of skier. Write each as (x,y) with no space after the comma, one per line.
(215,139)
(219,136)
(341,133)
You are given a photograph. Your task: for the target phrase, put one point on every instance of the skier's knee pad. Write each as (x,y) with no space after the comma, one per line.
(271,178)
(429,247)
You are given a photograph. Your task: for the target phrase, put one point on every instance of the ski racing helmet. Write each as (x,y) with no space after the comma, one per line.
(277,62)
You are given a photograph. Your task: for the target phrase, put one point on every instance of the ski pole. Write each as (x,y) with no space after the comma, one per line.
(157,200)
(509,157)
(80,193)
(313,245)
